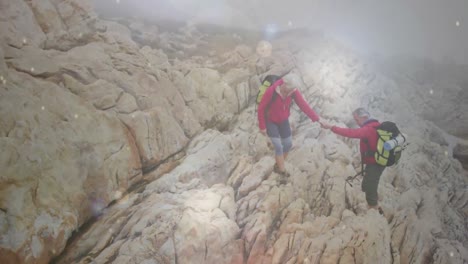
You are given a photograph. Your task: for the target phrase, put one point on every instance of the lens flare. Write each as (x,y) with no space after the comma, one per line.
(97,206)
(270,31)
(264,48)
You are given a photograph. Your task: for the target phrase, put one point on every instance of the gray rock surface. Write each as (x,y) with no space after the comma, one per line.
(140,145)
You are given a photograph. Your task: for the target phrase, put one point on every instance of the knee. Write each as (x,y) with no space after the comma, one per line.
(287,144)
(278,146)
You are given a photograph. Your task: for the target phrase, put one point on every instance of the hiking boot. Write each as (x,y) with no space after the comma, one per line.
(284,175)
(381,211)
(277,170)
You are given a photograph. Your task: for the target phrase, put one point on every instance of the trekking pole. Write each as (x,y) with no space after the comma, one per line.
(349,179)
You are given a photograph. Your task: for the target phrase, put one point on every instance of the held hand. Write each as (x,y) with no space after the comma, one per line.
(263,131)
(325,125)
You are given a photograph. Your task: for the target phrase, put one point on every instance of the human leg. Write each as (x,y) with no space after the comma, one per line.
(370,184)
(286,137)
(273,133)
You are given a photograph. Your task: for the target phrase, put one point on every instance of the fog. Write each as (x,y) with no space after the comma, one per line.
(423,28)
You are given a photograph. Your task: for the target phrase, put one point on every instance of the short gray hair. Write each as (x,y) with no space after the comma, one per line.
(292,80)
(361,112)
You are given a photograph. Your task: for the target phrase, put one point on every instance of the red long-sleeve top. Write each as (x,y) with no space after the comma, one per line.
(278,110)
(368,135)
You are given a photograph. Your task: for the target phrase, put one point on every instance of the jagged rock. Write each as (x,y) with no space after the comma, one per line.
(35,62)
(217,100)
(64,163)
(145,34)
(117,34)
(126,104)
(157,134)
(3,66)
(66,24)
(19,27)
(156,58)
(76,129)
(209,157)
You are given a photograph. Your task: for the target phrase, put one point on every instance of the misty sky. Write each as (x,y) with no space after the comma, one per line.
(419,27)
(424,28)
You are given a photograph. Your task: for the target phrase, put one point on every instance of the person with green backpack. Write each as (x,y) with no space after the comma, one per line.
(374,139)
(273,115)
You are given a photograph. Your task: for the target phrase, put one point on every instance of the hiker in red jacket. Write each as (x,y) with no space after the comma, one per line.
(367,133)
(273,116)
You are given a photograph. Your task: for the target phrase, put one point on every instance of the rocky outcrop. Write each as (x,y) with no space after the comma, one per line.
(128,143)
(62,163)
(85,110)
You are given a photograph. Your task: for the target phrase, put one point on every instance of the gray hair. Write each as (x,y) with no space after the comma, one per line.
(361,112)
(292,80)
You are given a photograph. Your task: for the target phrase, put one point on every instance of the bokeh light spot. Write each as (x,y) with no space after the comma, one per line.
(270,31)
(264,48)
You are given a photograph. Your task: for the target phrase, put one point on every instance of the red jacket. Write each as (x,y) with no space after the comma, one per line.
(367,132)
(278,110)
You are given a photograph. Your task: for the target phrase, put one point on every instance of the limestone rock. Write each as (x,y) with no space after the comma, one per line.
(64,164)
(19,26)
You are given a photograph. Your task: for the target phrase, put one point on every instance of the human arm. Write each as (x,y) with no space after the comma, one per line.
(350,132)
(304,106)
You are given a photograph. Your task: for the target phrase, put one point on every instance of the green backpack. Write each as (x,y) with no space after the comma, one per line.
(267,82)
(387,131)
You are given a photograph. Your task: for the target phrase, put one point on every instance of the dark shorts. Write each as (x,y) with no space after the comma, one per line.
(280,136)
(282,130)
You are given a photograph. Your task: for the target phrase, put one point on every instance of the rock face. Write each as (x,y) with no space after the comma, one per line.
(142,143)
(84,111)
